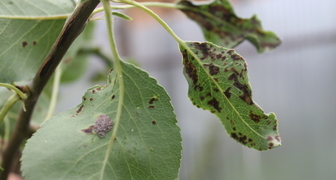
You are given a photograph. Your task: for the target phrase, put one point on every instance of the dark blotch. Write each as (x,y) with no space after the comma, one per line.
(277,137)
(113,96)
(80,109)
(227,92)
(93,91)
(151,101)
(190,69)
(88,130)
(254,117)
(214,103)
(275,127)
(34,43)
(270,145)
(213,70)
(234,128)
(91,99)
(151,107)
(24,43)
(269,138)
(153,122)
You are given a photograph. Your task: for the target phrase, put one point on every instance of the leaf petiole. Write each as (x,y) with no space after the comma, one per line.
(9,103)
(22,95)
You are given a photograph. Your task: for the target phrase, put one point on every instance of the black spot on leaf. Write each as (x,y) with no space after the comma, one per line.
(215,104)
(151,107)
(151,101)
(254,117)
(24,43)
(213,69)
(227,92)
(113,96)
(190,68)
(80,109)
(88,130)
(153,122)
(91,99)
(34,43)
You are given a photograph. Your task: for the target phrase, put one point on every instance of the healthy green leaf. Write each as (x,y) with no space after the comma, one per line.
(218,82)
(27,31)
(221,26)
(147,145)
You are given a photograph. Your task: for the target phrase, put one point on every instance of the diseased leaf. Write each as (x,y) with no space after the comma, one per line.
(27,31)
(147,144)
(218,82)
(221,26)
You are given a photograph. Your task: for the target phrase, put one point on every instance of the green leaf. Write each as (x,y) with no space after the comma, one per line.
(218,82)
(122,15)
(27,31)
(147,144)
(221,26)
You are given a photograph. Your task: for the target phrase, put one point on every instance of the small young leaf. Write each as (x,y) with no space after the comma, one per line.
(74,144)
(218,82)
(221,26)
(121,15)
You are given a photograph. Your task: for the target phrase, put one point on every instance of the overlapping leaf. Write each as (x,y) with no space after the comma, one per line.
(147,145)
(27,31)
(218,82)
(221,26)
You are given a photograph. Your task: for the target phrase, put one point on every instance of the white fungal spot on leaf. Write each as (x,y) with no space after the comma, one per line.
(102,125)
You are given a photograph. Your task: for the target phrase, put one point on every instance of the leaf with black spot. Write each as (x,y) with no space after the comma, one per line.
(218,82)
(75,144)
(221,25)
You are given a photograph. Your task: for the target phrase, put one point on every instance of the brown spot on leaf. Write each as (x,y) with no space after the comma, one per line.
(151,101)
(275,127)
(234,128)
(113,96)
(24,43)
(254,117)
(270,145)
(213,69)
(215,104)
(277,137)
(153,122)
(236,57)
(34,43)
(88,130)
(84,98)
(93,91)
(190,68)
(80,109)
(269,138)
(151,107)
(91,99)
(227,92)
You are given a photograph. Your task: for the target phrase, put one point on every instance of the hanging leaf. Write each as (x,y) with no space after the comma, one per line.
(74,144)
(218,82)
(221,26)
(27,31)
